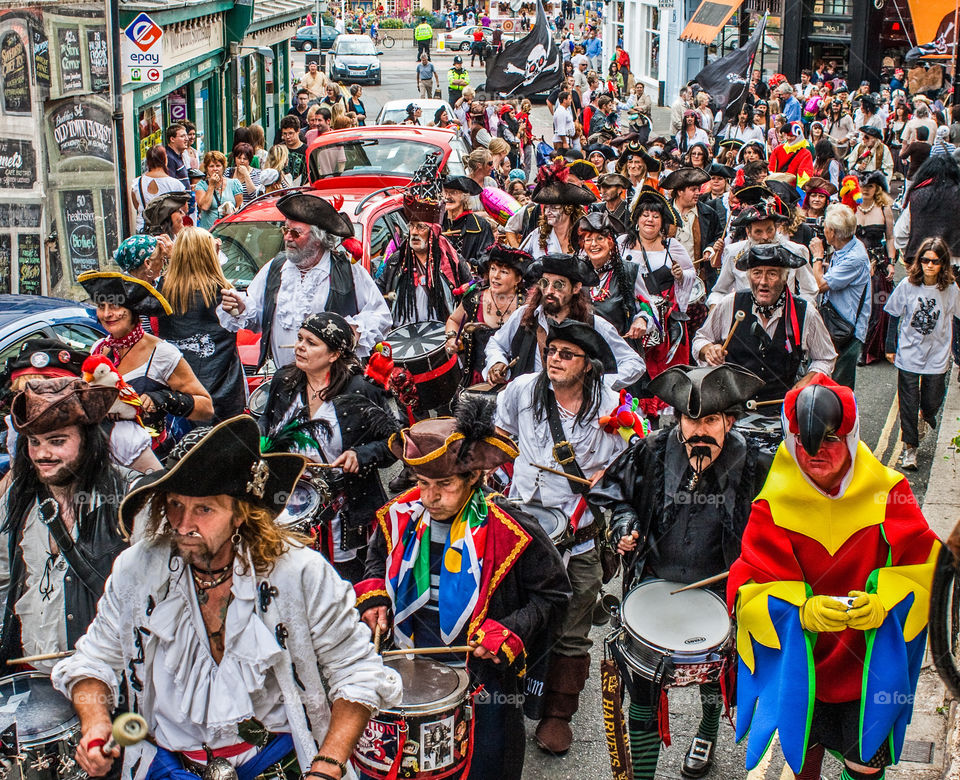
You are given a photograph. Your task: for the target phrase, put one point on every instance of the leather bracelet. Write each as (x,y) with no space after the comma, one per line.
(328,760)
(321,775)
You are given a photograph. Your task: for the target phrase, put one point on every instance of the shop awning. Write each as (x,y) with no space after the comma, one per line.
(708,20)
(276,11)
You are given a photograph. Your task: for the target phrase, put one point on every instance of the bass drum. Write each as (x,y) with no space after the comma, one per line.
(430,735)
(420,348)
(42,724)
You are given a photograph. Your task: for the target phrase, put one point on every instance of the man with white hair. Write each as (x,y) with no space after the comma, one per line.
(846,285)
(790,106)
(307,277)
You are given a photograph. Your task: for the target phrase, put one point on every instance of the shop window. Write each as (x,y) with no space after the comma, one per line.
(651,16)
(833,7)
(201,98)
(150,123)
(256,108)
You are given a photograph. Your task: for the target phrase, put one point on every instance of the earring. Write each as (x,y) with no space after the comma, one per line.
(236,539)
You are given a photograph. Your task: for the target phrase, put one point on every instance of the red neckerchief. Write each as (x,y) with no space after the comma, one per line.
(125,342)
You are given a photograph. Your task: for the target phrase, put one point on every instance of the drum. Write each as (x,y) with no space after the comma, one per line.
(257,401)
(553,521)
(430,733)
(483,390)
(420,348)
(44,730)
(302,506)
(677,640)
(699,291)
(761,430)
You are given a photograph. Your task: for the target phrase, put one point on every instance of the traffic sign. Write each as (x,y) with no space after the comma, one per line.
(142,50)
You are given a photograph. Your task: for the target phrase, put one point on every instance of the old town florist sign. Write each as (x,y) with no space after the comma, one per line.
(82,129)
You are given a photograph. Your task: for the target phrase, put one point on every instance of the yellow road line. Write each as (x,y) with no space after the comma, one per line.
(897,448)
(884,439)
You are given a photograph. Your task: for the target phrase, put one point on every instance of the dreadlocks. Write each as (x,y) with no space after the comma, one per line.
(575,213)
(408,273)
(592,389)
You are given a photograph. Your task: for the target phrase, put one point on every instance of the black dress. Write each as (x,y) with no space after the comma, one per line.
(874,238)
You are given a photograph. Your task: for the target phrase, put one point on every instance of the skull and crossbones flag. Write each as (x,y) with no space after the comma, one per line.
(727,80)
(530,65)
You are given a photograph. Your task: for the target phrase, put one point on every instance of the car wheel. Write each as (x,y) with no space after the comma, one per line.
(464,46)
(307,46)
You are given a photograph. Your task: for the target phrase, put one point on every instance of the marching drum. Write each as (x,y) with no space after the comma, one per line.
(257,401)
(304,503)
(553,521)
(430,733)
(43,730)
(761,430)
(420,348)
(675,640)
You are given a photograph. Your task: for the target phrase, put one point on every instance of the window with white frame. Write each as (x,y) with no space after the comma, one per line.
(651,27)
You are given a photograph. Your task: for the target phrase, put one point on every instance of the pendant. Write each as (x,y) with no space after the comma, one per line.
(202,597)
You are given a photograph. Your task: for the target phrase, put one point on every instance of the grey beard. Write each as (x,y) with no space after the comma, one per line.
(306,257)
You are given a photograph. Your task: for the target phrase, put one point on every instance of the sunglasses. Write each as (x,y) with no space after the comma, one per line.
(931,261)
(558,284)
(563,354)
(292,232)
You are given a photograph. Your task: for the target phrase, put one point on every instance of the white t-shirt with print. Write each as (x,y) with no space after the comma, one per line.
(926,325)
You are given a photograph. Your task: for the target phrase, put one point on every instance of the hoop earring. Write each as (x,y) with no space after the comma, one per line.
(236,539)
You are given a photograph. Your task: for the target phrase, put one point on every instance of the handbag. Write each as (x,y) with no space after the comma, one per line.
(841,331)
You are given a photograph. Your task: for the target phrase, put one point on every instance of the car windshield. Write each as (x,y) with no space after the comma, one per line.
(375,156)
(358,46)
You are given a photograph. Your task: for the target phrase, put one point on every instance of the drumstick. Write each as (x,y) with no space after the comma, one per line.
(128,729)
(376,639)
(737,319)
(29,659)
(313,465)
(559,473)
(429,650)
(751,405)
(703,583)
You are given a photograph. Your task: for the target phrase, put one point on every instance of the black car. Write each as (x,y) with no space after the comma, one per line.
(306,38)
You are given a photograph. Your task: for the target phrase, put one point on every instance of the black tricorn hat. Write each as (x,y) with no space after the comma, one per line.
(685,177)
(698,391)
(462,184)
(587,339)
(600,222)
(121,290)
(716,169)
(159,209)
(774,255)
(871,131)
(633,148)
(563,193)
(583,170)
(507,256)
(574,268)
(648,195)
(222,460)
(314,210)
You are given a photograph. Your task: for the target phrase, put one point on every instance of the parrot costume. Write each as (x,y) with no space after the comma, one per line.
(821,673)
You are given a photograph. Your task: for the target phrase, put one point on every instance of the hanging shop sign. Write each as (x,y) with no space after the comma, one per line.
(28,263)
(79,225)
(99,60)
(83,129)
(13,71)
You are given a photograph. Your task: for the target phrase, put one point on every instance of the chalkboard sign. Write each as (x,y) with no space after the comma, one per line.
(5,256)
(97,46)
(20,215)
(28,259)
(41,59)
(71,72)
(17,164)
(108,202)
(80,231)
(82,128)
(13,70)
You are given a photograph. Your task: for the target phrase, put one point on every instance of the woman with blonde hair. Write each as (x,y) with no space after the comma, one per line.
(277,160)
(259,143)
(192,286)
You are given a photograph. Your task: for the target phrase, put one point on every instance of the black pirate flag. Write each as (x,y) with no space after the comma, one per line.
(528,66)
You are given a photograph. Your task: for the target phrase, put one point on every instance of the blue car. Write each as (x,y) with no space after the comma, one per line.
(27,317)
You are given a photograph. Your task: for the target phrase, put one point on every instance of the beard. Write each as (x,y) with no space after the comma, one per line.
(551,306)
(306,256)
(63,476)
(193,554)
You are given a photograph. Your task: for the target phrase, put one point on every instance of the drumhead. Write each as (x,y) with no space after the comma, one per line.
(428,685)
(41,713)
(690,622)
(552,520)
(258,399)
(760,423)
(416,340)
(303,502)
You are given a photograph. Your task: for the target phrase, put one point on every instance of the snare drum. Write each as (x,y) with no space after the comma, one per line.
(677,640)
(302,506)
(47,730)
(761,430)
(552,520)
(430,733)
(420,347)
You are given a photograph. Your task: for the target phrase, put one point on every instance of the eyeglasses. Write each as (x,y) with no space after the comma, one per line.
(931,261)
(593,238)
(563,354)
(490,164)
(558,284)
(292,232)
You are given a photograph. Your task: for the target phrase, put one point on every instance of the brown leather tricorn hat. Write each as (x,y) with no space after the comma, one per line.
(49,404)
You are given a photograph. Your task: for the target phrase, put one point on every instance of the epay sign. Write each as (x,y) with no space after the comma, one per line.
(142,51)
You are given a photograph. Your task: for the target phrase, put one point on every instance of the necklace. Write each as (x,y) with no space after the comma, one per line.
(501,315)
(862,210)
(314,394)
(202,586)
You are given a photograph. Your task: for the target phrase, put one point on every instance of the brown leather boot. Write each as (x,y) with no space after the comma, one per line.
(565,681)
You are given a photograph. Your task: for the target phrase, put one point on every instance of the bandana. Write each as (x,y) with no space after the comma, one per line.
(134,251)
(767,311)
(408,573)
(115,345)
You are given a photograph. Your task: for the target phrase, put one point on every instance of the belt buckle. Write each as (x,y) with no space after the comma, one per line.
(563,453)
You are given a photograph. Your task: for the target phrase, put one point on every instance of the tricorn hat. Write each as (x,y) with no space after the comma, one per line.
(774,255)
(444,446)
(585,337)
(600,222)
(507,256)
(462,184)
(553,187)
(685,177)
(871,131)
(725,171)
(314,210)
(222,460)
(583,170)
(697,391)
(649,196)
(47,357)
(574,268)
(121,290)
(815,183)
(636,149)
(49,404)
(614,180)
(159,209)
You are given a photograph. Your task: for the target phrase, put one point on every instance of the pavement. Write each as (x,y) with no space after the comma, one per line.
(932,750)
